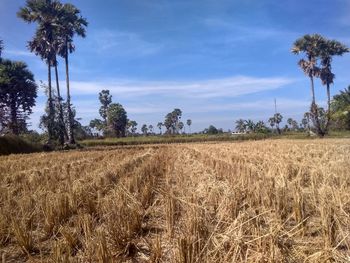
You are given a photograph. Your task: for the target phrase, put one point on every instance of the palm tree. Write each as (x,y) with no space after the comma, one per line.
(241,125)
(250,125)
(181,126)
(150,127)
(330,49)
(272,122)
(71,23)
(311,45)
(189,123)
(159,125)
(43,12)
(47,51)
(278,119)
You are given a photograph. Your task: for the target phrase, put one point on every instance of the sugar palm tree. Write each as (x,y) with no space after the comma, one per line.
(44,13)
(249,125)
(330,49)
(241,125)
(71,23)
(278,119)
(189,123)
(272,122)
(47,51)
(311,46)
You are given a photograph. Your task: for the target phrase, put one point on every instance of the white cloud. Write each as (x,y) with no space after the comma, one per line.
(236,32)
(119,43)
(215,88)
(19,53)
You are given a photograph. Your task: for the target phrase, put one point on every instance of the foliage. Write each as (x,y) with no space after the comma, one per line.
(316,47)
(144,129)
(18,92)
(97,125)
(160,125)
(172,120)
(57,24)
(240,126)
(340,108)
(133,126)
(105,100)
(117,119)
(211,130)
(11,144)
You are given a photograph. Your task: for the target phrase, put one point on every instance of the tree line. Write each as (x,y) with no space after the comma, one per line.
(115,122)
(57,24)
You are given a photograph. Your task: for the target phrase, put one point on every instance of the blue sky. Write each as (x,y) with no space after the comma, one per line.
(216,60)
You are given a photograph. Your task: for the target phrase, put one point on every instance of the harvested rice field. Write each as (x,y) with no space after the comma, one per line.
(254,201)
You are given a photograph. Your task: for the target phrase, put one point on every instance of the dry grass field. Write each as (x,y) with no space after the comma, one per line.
(262,201)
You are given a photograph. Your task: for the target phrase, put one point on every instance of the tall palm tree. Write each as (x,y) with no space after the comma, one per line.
(47,51)
(43,12)
(311,46)
(272,122)
(241,125)
(249,125)
(71,23)
(189,123)
(278,119)
(330,49)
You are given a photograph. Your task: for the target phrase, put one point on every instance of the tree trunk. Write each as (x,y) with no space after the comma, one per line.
(70,117)
(314,109)
(329,107)
(51,110)
(14,122)
(63,132)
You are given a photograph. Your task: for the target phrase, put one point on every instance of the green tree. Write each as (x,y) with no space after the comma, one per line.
(212,130)
(105,99)
(307,117)
(278,119)
(331,48)
(117,119)
(311,46)
(240,126)
(189,123)
(133,127)
(18,92)
(340,108)
(250,125)
(180,126)
(150,128)
(160,125)
(44,13)
(260,127)
(171,121)
(272,122)
(70,23)
(98,125)
(144,129)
